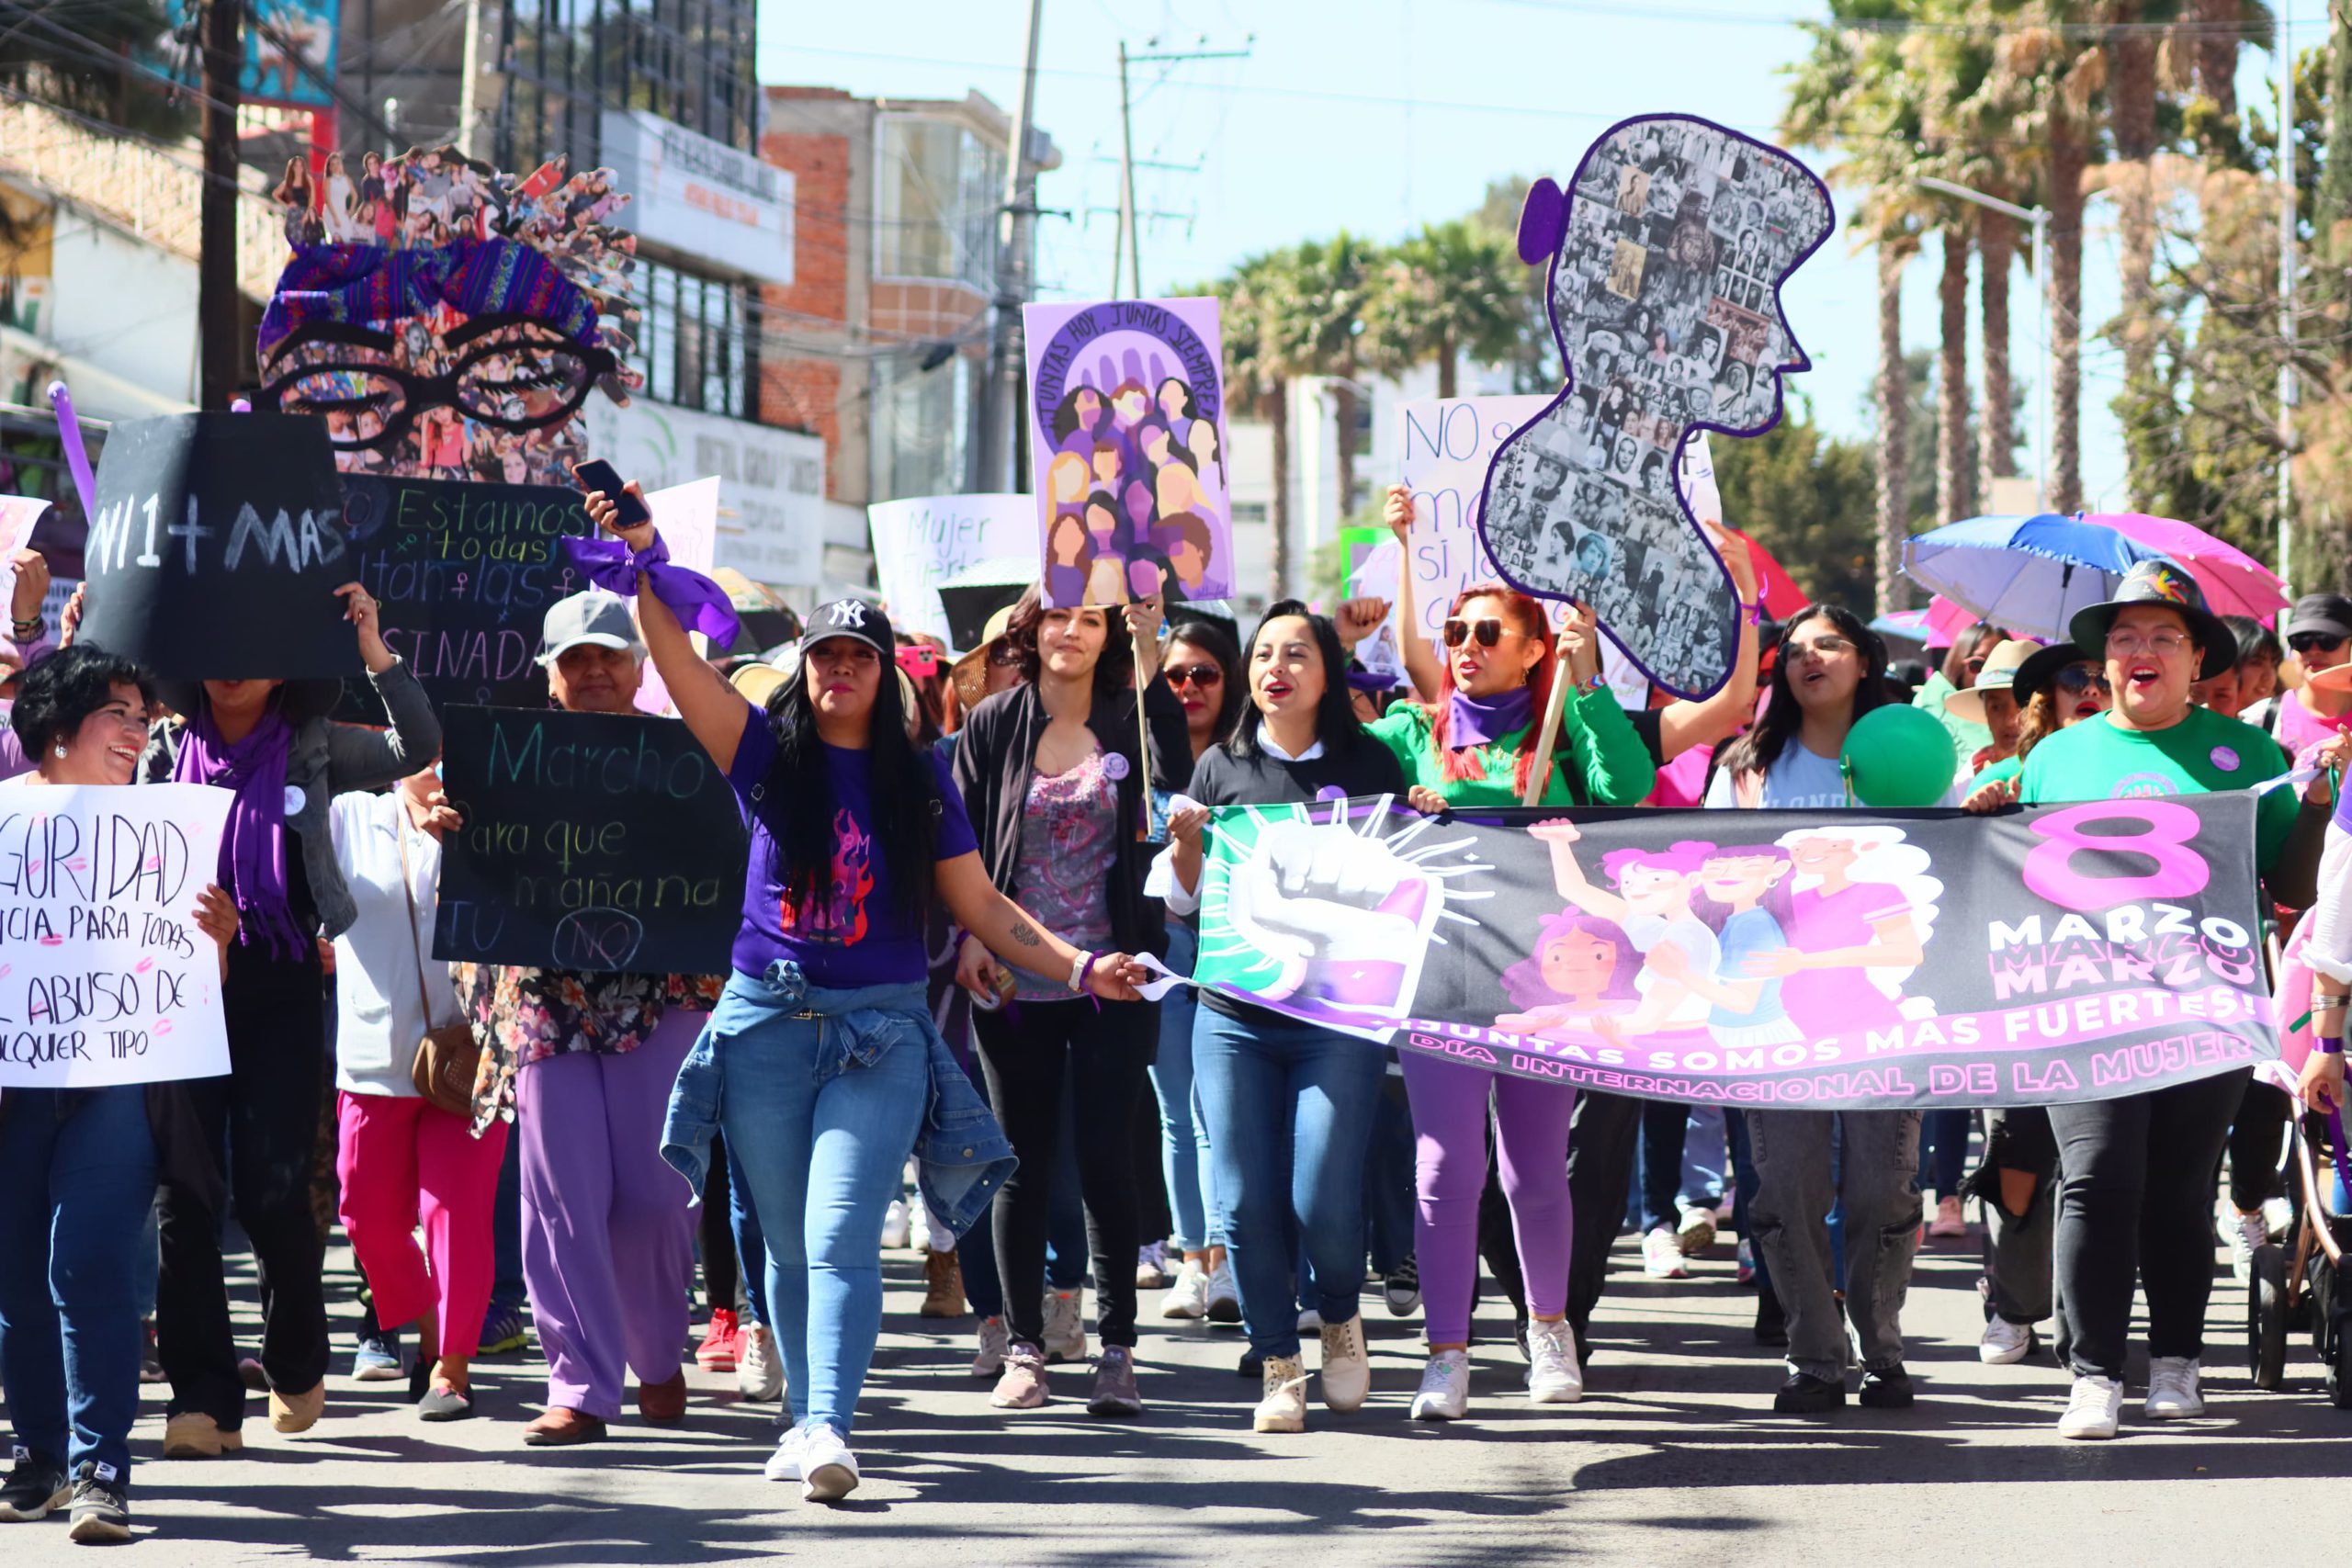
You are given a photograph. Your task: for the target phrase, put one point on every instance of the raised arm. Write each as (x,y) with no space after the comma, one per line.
(1682,725)
(1569,877)
(712,709)
(359,758)
(1421,659)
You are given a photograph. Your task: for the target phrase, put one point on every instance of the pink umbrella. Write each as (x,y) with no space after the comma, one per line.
(1947,620)
(2235,582)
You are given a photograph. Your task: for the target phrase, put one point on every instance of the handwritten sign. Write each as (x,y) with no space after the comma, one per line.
(1448,443)
(105,976)
(596,841)
(464,574)
(921,543)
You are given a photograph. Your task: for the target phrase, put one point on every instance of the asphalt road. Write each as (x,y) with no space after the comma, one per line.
(1673,1457)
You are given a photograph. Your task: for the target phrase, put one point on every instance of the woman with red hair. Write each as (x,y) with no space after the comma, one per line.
(1475,744)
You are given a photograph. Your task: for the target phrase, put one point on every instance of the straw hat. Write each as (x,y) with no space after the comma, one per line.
(1999,674)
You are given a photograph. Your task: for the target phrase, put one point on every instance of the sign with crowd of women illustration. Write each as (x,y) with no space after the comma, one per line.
(1776,959)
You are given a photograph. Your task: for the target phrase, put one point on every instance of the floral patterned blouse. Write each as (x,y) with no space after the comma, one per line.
(521,1016)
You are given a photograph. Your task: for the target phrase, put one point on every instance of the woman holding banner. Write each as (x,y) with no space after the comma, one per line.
(1288,1105)
(272,743)
(822,1065)
(78,1167)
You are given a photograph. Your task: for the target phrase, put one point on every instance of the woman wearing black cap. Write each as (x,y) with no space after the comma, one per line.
(2134,1201)
(270,741)
(822,1066)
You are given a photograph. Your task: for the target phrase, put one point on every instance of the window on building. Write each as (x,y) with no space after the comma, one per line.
(936,190)
(687,61)
(922,424)
(697,341)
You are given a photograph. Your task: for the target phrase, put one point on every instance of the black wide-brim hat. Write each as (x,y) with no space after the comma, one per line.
(2166,585)
(2038,673)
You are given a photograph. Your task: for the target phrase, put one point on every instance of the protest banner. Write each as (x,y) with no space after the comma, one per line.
(598,841)
(922,543)
(1126,439)
(1448,443)
(1667,254)
(463,574)
(19,514)
(105,976)
(688,516)
(215,549)
(2055,954)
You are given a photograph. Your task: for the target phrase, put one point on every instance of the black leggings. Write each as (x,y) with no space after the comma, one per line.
(2255,1141)
(1106,1049)
(722,1276)
(2135,1203)
(1601,1131)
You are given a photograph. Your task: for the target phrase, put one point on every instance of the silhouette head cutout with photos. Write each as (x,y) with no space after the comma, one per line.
(1666,252)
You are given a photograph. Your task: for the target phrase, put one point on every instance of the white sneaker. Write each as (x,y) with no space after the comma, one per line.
(895,1227)
(1662,1256)
(828,1469)
(1697,1232)
(1444,1393)
(1347,1367)
(1283,1407)
(2094,1409)
(785,1464)
(2005,1343)
(2247,1232)
(919,1226)
(1223,1301)
(2278,1216)
(1310,1322)
(995,1340)
(758,1369)
(1189,1296)
(1065,1326)
(1552,1375)
(2172,1389)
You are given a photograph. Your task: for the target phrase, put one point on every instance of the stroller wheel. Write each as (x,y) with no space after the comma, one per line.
(2319,1279)
(2266,1300)
(2339,1367)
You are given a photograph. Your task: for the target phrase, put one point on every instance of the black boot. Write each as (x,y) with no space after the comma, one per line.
(1886,1388)
(1804,1394)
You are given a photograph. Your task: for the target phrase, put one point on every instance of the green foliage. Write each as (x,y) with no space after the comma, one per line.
(1808,497)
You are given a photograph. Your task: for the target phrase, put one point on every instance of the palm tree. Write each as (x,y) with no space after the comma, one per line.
(1335,281)
(1454,289)
(1259,318)
(2132,63)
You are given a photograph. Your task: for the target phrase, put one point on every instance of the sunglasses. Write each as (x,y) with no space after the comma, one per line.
(1488,632)
(1201,675)
(1820,647)
(2314,642)
(2079,678)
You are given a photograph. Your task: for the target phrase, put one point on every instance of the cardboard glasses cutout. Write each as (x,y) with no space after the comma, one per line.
(449,321)
(1666,255)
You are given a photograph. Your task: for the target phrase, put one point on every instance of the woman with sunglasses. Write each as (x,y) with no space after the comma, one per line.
(1055,779)
(821,1063)
(1288,1106)
(1475,744)
(1204,670)
(2318,632)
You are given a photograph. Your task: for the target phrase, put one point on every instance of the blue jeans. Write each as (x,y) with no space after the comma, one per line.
(750,1246)
(1184,1159)
(77,1180)
(1289,1108)
(1944,1150)
(822,1162)
(1388,1179)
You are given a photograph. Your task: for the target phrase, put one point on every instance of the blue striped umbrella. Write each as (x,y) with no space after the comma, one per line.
(2027,574)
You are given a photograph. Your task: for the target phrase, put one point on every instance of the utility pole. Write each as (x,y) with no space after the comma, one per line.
(1003,427)
(468,84)
(1130,242)
(217,310)
(2287,298)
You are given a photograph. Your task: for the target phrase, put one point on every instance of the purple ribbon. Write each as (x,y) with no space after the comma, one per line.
(700,604)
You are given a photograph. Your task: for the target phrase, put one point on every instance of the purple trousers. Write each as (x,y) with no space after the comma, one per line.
(608,1243)
(1449,1103)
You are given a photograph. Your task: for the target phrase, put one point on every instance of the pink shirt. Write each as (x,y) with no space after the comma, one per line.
(1823,1002)
(2299,727)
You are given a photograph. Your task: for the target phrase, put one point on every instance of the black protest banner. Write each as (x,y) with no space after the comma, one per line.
(464,574)
(215,548)
(598,841)
(1832,959)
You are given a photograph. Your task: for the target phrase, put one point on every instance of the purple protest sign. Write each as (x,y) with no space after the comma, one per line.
(1126,439)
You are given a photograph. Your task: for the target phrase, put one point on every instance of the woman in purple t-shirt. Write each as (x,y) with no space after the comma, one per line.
(821,1066)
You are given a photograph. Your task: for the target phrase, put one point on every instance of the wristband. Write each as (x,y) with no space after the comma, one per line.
(1755,613)
(2328,1044)
(1078,972)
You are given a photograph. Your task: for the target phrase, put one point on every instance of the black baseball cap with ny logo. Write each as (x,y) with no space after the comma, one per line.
(861,620)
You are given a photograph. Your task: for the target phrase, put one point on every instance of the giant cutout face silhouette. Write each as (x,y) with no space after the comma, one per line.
(449,321)
(1666,255)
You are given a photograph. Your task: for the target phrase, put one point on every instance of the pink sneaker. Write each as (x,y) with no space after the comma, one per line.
(1023,1386)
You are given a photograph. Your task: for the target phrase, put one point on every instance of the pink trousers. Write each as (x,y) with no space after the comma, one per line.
(403,1163)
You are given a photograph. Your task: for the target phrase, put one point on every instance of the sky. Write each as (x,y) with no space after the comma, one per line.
(1378,116)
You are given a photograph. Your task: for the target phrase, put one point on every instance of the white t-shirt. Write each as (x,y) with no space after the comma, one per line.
(1698,943)
(379,1012)
(1800,781)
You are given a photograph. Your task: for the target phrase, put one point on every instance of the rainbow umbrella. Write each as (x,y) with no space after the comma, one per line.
(2026,574)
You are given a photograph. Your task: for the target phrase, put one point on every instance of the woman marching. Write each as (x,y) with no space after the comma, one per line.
(821,1063)
(1288,1105)
(78,1167)
(1475,745)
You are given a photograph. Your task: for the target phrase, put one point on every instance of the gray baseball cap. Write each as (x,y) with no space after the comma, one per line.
(594,617)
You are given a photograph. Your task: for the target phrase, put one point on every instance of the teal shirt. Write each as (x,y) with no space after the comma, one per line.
(1595,739)
(2205,752)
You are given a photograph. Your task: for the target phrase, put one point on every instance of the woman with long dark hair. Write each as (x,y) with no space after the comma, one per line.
(821,1063)
(1054,774)
(1287,1105)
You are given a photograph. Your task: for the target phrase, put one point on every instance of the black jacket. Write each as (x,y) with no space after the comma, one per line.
(996,752)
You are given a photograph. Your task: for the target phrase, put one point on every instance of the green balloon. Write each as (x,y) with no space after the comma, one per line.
(1899,756)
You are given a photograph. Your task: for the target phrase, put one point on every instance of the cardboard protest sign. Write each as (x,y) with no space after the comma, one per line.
(922,543)
(2065,953)
(216,547)
(599,841)
(19,514)
(463,574)
(688,516)
(105,976)
(1448,443)
(1127,437)
(1667,254)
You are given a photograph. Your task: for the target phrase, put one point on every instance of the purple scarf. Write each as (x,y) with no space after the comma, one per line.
(700,604)
(1482,721)
(253,842)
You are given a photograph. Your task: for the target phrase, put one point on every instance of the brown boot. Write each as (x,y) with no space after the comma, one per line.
(664,1403)
(561,1427)
(192,1435)
(944,1275)
(297,1412)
